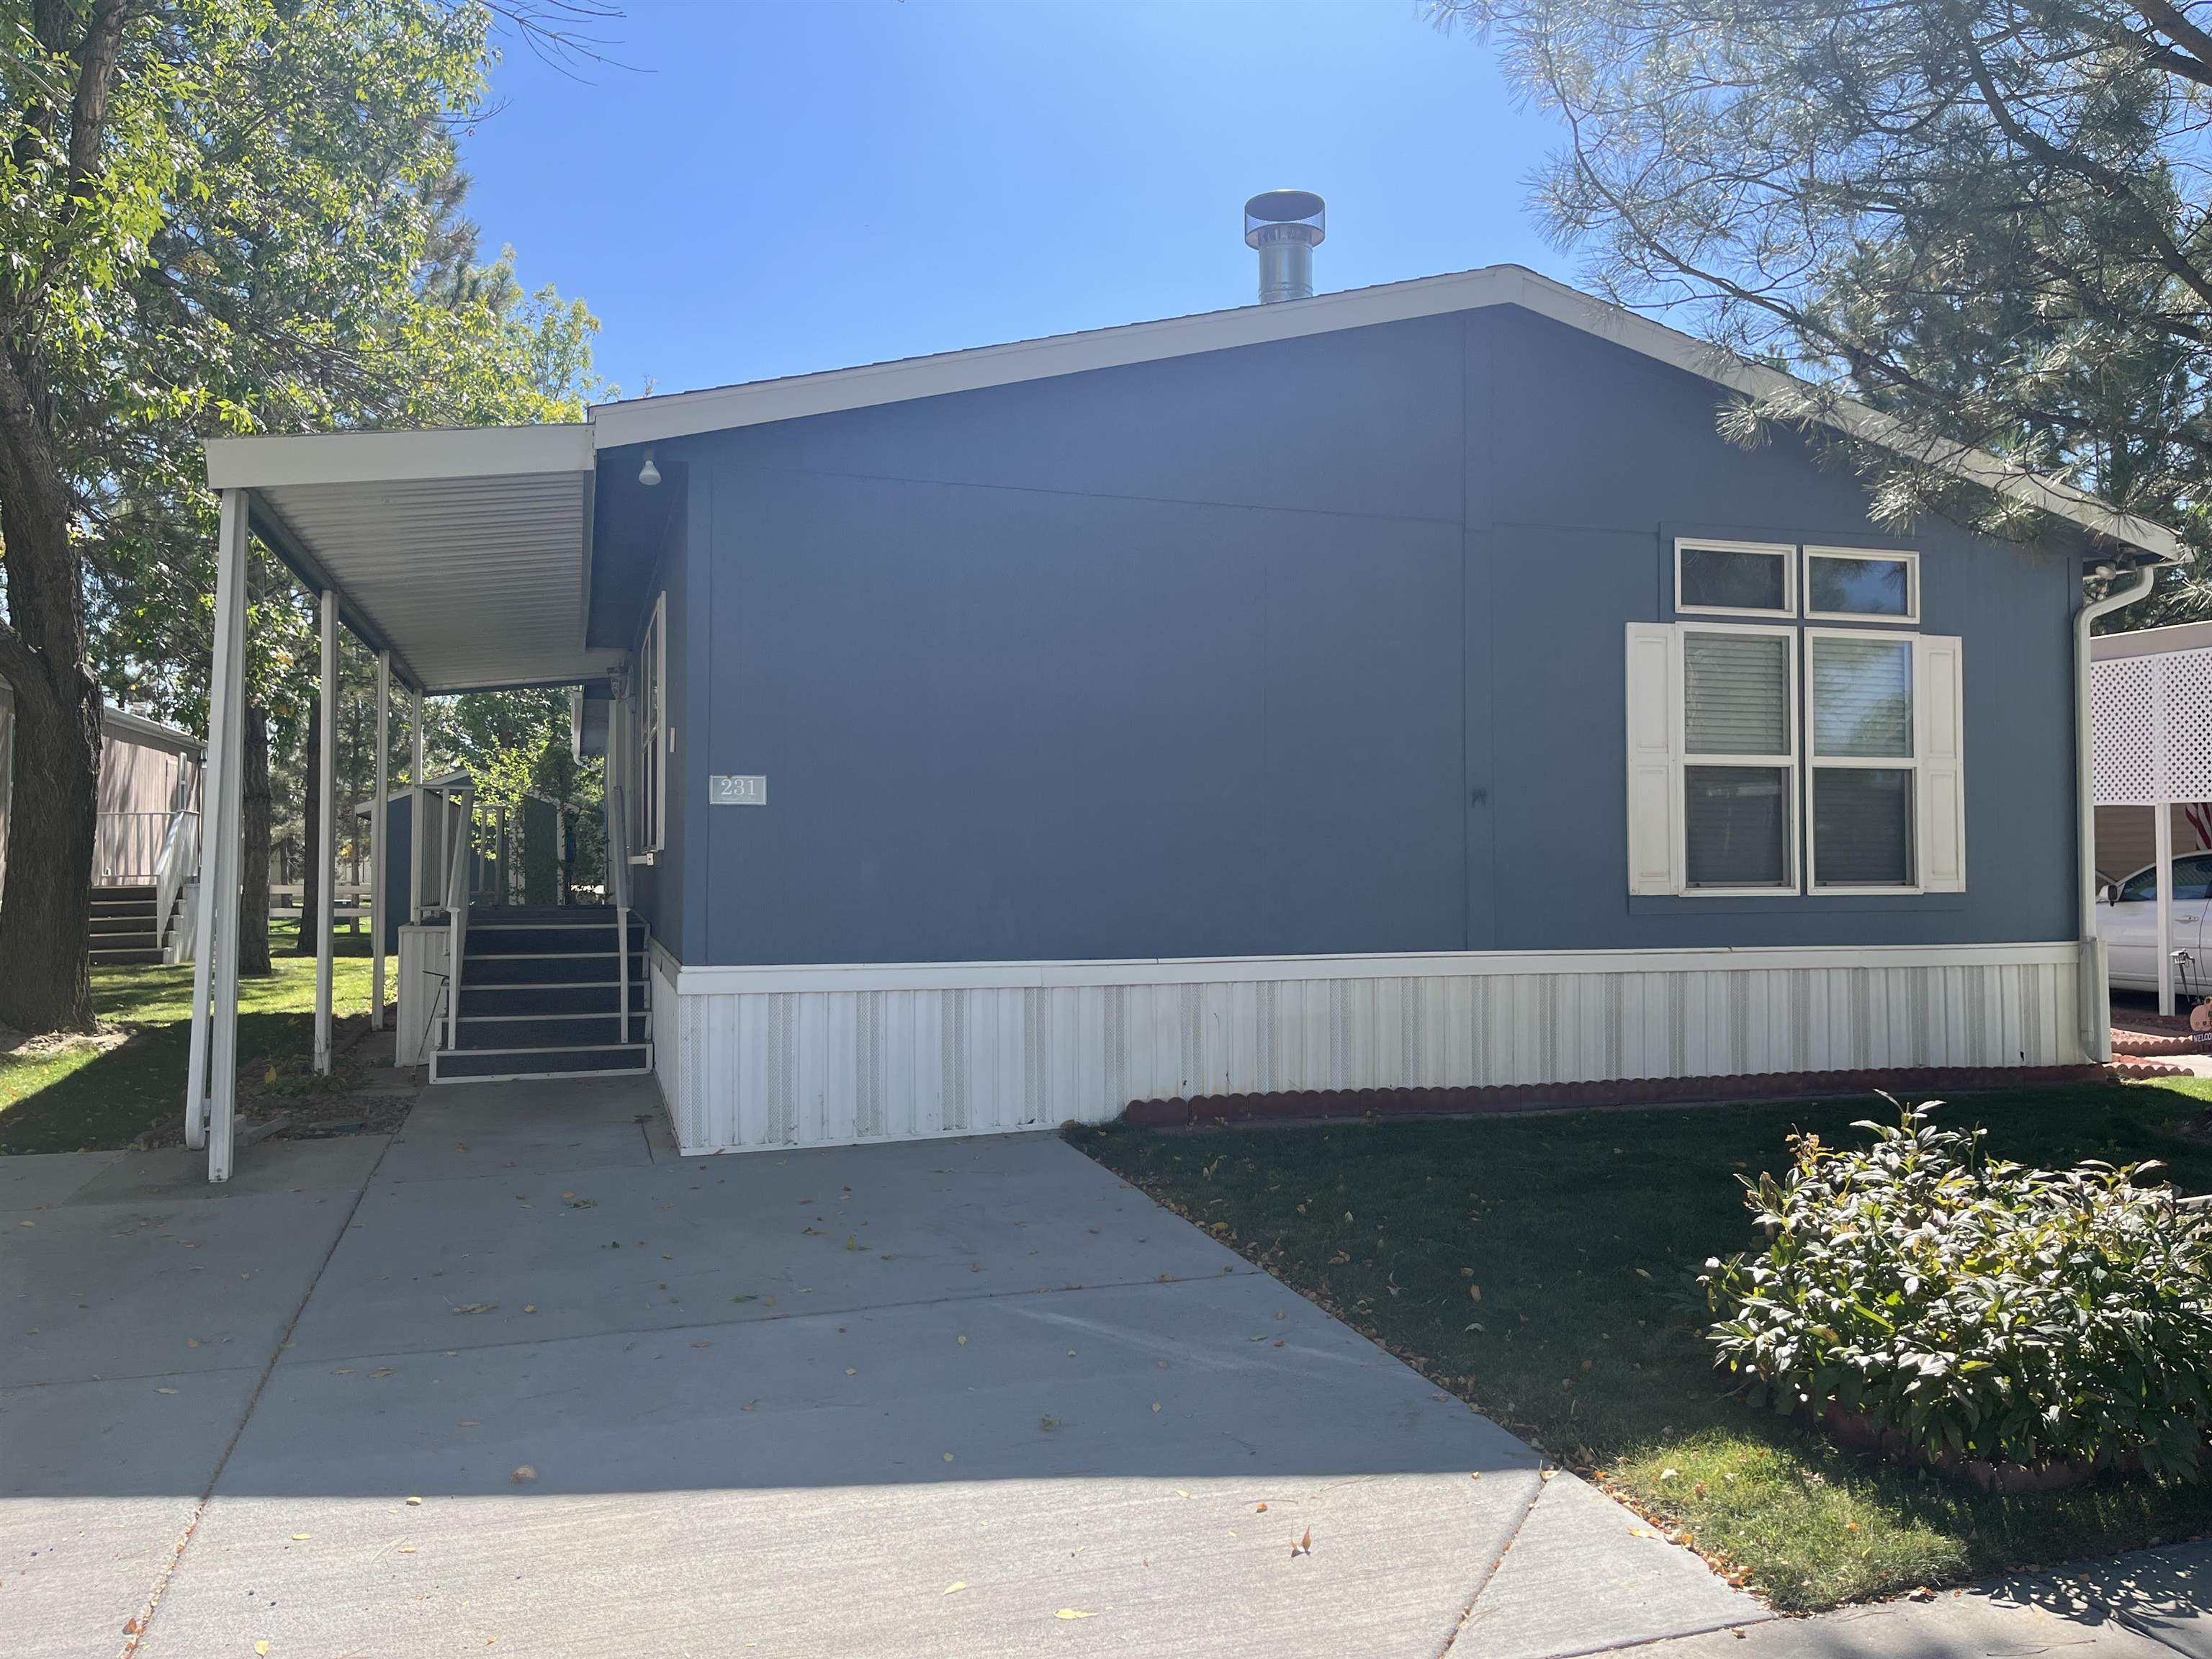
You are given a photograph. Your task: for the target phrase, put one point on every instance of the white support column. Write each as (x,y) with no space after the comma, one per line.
(416,829)
(379,896)
(325,810)
(2162,851)
(211,1076)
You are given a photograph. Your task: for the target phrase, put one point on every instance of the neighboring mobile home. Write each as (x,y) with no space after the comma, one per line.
(146,837)
(1398,687)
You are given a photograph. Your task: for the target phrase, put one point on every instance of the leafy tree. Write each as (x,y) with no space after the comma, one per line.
(1988,217)
(221,215)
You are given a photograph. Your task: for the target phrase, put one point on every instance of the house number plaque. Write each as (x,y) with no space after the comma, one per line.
(726,789)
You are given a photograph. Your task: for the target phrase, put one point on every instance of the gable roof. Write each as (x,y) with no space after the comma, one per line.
(682,413)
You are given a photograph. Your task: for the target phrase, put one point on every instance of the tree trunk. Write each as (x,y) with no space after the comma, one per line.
(310,831)
(254,904)
(45,983)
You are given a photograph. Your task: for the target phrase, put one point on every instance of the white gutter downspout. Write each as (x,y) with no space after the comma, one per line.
(2095,999)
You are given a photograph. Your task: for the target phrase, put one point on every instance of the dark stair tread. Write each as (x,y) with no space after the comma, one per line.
(629,1059)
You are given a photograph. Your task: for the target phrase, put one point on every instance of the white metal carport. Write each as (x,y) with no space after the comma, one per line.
(2152,721)
(463,560)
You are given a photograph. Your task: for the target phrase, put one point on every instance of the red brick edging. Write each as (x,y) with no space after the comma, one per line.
(1291,1106)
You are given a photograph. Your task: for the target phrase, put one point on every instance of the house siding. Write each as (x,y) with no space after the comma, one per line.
(658,890)
(1309,647)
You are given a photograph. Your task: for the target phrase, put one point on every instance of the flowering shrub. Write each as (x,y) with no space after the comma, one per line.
(1969,1310)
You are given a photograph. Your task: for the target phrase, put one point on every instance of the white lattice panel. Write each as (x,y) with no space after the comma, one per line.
(2184,693)
(2124,703)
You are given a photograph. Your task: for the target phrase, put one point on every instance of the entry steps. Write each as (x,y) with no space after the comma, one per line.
(124,929)
(539,994)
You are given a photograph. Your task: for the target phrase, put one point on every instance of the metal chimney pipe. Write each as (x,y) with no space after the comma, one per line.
(1285,226)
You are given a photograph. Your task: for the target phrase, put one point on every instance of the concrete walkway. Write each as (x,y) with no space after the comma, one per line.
(2149,1606)
(520,1379)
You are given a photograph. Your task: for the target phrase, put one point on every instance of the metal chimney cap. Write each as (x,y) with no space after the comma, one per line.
(1288,209)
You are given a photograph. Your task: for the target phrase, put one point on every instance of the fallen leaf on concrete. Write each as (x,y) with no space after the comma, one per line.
(961,1338)
(702,1345)
(523,1475)
(476,1307)
(192,1342)
(387,1370)
(406,1549)
(1156,1405)
(530,1307)
(1073,1613)
(467,1423)
(415,1503)
(261,1647)
(852,1241)
(1259,1508)
(299,1537)
(956,1585)
(1475,1292)
(948,1457)
(750,1406)
(849,1371)
(1303,1546)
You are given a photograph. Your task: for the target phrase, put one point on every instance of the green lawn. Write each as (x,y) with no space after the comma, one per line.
(77,1096)
(1544,1269)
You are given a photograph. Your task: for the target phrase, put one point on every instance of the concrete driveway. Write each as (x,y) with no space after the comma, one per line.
(520,1380)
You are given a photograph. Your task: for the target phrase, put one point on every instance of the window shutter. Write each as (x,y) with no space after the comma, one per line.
(1941,734)
(1654,864)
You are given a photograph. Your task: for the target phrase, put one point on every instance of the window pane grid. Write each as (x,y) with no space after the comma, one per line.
(1740,778)
(1862,783)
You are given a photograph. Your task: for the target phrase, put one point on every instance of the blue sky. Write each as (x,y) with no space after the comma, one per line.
(772,189)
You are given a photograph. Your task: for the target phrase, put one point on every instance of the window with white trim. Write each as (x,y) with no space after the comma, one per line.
(1774,758)
(1851,584)
(651,771)
(1860,694)
(1739,759)
(1734,579)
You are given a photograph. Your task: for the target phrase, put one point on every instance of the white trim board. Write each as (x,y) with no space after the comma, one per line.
(785,1057)
(454,452)
(719,408)
(788,978)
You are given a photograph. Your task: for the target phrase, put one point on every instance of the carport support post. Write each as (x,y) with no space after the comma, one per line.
(326,819)
(2162,846)
(211,1079)
(416,828)
(376,882)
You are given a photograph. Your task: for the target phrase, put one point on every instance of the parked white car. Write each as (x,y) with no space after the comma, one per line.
(2127,920)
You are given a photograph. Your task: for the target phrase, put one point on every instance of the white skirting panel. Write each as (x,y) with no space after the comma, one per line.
(807,1056)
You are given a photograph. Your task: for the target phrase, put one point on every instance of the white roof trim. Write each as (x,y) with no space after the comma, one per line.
(2152,641)
(343,457)
(647,420)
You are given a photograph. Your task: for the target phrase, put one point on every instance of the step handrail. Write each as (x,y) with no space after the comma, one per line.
(179,862)
(456,910)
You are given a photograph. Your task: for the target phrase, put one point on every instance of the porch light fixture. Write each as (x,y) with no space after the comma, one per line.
(648,475)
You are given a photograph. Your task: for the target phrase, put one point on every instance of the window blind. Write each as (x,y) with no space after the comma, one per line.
(1862,698)
(1736,694)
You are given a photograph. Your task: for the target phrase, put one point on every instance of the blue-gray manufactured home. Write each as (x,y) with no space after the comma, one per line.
(1393,687)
